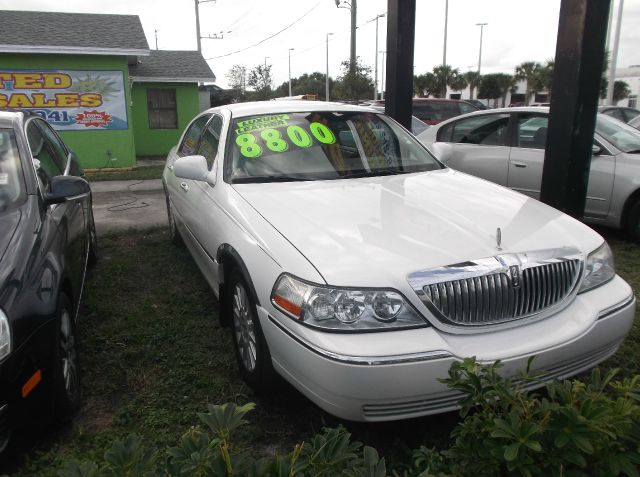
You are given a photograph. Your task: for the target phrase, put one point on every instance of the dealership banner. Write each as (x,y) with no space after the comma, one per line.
(68,99)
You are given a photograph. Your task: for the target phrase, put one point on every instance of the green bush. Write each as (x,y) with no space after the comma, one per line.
(575,428)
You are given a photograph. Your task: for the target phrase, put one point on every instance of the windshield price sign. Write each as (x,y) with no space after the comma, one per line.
(68,99)
(252,132)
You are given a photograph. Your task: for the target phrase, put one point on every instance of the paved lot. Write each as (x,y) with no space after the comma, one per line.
(122,205)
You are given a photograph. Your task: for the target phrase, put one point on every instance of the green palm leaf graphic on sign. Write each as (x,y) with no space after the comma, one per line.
(95,84)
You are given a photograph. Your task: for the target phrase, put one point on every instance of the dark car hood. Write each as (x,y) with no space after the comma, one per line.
(9,221)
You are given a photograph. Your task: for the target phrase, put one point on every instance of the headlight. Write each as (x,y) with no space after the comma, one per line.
(5,336)
(599,268)
(343,309)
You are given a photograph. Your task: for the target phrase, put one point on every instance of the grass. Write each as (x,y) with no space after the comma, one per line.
(154,354)
(139,173)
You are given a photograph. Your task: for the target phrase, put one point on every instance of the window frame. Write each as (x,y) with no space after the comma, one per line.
(220,139)
(174,108)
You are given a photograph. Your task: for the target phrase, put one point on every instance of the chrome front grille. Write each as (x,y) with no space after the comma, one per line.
(499,289)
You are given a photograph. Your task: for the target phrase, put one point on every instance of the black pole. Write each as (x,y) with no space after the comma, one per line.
(352,55)
(582,30)
(400,39)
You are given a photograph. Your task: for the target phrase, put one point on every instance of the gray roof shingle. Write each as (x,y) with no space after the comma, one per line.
(70,31)
(181,66)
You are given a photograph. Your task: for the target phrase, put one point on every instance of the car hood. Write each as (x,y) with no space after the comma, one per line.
(375,231)
(9,221)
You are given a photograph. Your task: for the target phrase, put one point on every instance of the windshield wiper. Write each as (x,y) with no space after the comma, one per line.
(373,173)
(262,179)
(633,151)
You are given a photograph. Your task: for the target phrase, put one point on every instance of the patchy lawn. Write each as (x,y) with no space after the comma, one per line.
(153,354)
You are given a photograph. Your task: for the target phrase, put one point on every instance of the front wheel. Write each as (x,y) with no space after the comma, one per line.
(633,222)
(66,371)
(251,350)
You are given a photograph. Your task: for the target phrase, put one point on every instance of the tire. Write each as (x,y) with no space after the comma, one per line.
(66,370)
(93,242)
(174,235)
(633,222)
(251,350)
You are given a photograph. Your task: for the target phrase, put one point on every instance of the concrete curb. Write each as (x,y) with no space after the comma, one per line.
(126,186)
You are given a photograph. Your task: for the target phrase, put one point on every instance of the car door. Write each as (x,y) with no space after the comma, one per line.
(527,159)
(200,208)
(178,188)
(50,159)
(479,145)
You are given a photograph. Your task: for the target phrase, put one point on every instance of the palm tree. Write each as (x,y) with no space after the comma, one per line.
(425,85)
(508,84)
(473,80)
(528,72)
(445,76)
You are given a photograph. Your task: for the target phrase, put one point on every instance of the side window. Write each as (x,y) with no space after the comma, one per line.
(532,131)
(616,113)
(466,108)
(445,132)
(189,144)
(488,130)
(60,151)
(210,140)
(630,114)
(44,156)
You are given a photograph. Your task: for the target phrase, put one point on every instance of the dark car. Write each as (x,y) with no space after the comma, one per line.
(621,113)
(434,110)
(47,237)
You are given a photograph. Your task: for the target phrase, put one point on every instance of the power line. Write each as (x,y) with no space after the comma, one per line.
(268,38)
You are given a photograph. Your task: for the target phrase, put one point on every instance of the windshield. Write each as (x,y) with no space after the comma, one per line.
(624,137)
(321,146)
(12,189)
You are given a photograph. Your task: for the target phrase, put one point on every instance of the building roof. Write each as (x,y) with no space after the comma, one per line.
(172,66)
(72,33)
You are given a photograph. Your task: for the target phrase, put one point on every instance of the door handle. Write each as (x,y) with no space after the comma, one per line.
(185,186)
(518,164)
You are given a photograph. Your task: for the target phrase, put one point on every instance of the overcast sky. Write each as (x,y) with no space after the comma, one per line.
(517,31)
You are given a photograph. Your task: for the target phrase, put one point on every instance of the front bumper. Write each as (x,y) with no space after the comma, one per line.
(359,376)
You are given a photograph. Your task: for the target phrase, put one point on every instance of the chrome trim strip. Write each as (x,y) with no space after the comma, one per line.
(364,360)
(615,308)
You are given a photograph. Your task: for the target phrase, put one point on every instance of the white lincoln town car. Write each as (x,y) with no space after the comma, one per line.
(351,262)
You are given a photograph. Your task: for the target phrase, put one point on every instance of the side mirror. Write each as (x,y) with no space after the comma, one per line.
(595,149)
(65,188)
(441,150)
(191,167)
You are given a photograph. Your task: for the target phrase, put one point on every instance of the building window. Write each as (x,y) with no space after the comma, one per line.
(161,104)
(633,101)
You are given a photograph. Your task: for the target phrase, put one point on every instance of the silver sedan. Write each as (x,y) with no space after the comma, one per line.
(506,146)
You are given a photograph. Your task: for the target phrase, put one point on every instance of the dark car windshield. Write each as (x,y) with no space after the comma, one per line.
(12,189)
(321,146)
(622,136)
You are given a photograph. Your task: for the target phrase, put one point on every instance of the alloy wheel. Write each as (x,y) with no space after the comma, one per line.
(68,355)
(244,328)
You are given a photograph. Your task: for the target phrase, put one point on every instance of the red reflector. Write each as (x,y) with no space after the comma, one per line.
(31,383)
(287,305)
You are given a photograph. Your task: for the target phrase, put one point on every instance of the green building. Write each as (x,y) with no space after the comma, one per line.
(94,78)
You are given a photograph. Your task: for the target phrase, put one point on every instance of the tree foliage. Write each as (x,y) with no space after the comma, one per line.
(529,72)
(354,86)
(425,85)
(260,80)
(447,76)
(313,83)
(473,79)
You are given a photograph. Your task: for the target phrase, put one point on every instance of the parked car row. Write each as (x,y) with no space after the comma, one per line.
(351,262)
(47,239)
(507,146)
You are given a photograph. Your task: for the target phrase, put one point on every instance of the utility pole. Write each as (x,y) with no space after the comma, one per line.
(326,85)
(614,56)
(382,75)
(352,5)
(198,37)
(481,25)
(156,33)
(265,63)
(446,21)
(375,81)
(290,50)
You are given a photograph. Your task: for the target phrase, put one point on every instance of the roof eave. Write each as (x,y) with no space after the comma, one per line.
(72,50)
(164,79)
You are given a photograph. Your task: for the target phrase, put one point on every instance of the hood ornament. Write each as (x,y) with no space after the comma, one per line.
(499,238)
